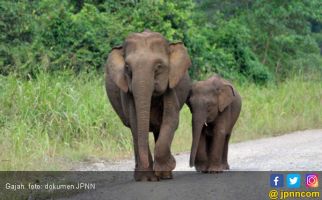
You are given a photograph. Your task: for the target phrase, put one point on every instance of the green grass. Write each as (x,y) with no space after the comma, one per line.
(51,122)
(295,104)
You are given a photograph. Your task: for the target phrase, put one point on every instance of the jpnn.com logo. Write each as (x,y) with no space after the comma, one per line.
(293,181)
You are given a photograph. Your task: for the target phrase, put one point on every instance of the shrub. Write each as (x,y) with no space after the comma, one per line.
(239,40)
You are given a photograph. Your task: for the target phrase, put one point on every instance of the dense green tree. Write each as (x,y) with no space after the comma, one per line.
(255,40)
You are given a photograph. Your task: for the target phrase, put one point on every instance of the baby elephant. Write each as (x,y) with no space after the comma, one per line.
(215,106)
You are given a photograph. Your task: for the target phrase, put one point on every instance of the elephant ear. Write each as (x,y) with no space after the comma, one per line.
(226,96)
(179,63)
(115,68)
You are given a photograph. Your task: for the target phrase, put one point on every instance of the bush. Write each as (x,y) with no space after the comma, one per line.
(239,40)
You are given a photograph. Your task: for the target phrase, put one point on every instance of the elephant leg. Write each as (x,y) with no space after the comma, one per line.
(147,175)
(217,148)
(164,162)
(156,134)
(201,161)
(161,174)
(225,164)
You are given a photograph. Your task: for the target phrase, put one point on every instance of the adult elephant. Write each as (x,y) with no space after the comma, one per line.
(147,84)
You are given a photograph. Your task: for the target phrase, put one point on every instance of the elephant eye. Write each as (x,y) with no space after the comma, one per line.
(128,70)
(218,90)
(158,69)
(157,66)
(127,66)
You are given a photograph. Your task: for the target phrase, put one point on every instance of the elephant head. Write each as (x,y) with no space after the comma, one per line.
(207,100)
(146,65)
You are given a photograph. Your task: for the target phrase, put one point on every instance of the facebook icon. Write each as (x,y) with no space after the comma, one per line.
(277,180)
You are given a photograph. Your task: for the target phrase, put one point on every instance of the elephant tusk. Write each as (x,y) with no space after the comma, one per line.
(206,124)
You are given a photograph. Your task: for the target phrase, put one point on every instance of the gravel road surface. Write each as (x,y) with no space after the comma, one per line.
(251,162)
(298,151)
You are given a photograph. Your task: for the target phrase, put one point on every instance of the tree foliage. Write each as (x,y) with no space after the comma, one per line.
(253,40)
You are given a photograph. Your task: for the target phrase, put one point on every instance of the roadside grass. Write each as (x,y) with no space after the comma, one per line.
(53,121)
(295,104)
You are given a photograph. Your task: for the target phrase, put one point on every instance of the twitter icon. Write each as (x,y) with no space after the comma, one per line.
(293,180)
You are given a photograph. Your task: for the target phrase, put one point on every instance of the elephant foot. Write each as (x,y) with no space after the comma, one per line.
(164,165)
(215,169)
(164,174)
(145,176)
(201,166)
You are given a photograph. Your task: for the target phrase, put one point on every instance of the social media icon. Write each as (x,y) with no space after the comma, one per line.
(312,180)
(293,180)
(277,180)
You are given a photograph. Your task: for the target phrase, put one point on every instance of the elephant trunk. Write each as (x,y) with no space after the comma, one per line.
(198,120)
(142,92)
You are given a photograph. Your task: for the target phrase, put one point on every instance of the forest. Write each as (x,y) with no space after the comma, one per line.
(253,40)
(52,54)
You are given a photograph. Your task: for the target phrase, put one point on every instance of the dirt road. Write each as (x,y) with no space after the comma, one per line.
(298,151)
(251,162)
